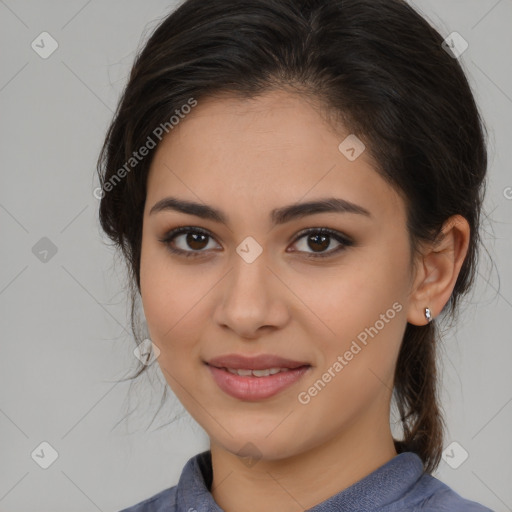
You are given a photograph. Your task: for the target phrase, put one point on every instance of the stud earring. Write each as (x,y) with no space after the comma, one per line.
(428,315)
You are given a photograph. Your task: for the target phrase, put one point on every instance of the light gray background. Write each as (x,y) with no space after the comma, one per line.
(64,324)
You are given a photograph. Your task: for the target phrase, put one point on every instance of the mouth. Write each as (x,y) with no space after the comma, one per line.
(256,384)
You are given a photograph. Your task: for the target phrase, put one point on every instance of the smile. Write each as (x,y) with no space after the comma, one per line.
(253,385)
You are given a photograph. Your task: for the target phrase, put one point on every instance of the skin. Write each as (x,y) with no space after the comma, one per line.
(247,157)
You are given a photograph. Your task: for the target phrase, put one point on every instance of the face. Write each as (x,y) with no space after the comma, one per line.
(256,283)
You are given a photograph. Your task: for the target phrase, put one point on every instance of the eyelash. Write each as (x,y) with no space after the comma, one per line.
(343,240)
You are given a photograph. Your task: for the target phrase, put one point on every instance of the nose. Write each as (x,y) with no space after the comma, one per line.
(253,299)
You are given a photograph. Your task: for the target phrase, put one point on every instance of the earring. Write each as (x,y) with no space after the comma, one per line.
(428,315)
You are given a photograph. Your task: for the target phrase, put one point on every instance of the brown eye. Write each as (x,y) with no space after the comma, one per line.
(187,241)
(319,240)
(196,241)
(193,242)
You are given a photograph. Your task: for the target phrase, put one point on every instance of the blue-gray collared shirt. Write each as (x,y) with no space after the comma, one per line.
(400,485)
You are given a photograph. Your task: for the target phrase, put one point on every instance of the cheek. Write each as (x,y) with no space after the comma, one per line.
(174,298)
(165,296)
(363,317)
(359,309)
(350,298)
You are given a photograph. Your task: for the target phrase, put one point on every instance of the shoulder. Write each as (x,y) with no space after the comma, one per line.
(164,501)
(436,496)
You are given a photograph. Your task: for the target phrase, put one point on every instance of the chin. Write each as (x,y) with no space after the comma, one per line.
(260,446)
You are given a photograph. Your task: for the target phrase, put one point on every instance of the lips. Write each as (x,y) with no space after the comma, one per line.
(253,388)
(261,362)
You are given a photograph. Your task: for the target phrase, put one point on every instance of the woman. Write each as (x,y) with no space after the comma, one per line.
(296,186)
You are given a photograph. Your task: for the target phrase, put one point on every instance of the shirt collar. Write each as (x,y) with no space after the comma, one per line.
(385,485)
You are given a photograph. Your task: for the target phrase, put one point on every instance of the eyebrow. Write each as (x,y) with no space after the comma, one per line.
(278,215)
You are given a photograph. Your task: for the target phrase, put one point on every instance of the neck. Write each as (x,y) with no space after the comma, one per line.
(303,480)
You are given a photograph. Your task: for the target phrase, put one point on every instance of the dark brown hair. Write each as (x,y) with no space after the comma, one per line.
(376,64)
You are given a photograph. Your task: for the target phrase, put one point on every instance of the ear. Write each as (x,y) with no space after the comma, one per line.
(437,269)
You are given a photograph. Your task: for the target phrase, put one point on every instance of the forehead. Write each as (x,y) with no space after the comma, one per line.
(266,151)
